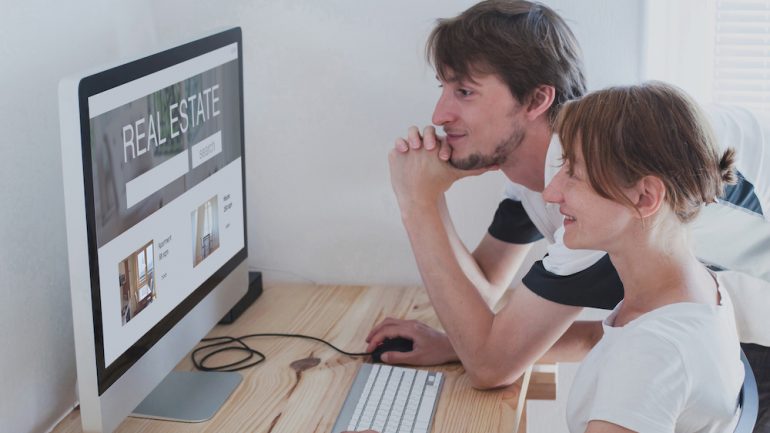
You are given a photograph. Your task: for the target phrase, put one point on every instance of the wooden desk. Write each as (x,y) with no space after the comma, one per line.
(274,397)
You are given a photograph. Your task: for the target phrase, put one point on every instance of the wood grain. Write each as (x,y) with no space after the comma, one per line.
(275,397)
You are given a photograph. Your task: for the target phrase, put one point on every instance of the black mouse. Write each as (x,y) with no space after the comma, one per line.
(397,344)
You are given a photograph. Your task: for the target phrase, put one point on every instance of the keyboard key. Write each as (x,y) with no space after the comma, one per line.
(425,412)
(364,397)
(387,399)
(367,417)
(414,401)
(400,402)
(390,400)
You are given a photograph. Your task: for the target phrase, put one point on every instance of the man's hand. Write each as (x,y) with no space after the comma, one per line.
(428,140)
(421,173)
(430,346)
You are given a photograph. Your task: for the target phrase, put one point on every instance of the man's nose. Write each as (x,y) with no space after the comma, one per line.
(442,114)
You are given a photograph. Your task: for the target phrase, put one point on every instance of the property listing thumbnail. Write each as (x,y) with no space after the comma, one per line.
(205,230)
(136,278)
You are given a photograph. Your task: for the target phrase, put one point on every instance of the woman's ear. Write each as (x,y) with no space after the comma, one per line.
(540,100)
(648,195)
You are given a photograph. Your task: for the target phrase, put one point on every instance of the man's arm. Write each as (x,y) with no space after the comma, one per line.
(493,263)
(432,347)
(499,261)
(495,349)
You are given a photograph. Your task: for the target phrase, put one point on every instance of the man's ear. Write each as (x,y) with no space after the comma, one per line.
(540,100)
(649,195)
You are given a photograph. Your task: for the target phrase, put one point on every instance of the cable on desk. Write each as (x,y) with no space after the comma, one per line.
(228,344)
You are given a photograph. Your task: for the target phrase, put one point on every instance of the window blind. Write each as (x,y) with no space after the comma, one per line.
(742,53)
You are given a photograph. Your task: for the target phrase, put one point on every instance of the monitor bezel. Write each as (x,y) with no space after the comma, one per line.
(115,77)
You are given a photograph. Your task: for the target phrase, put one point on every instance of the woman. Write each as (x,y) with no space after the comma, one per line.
(639,163)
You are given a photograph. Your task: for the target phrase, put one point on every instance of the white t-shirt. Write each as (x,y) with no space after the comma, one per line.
(674,369)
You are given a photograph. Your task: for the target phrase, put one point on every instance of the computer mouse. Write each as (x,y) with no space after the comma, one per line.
(397,344)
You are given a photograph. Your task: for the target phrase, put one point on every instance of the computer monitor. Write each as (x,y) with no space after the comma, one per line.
(154,181)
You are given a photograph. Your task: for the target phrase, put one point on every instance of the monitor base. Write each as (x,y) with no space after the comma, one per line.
(188,396)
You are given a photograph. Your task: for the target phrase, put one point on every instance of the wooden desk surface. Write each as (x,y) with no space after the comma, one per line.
(275,398)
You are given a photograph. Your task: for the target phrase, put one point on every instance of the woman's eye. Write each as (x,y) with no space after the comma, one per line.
(571,172)
(564,163)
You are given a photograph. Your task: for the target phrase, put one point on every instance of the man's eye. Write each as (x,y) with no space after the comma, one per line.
(464,92)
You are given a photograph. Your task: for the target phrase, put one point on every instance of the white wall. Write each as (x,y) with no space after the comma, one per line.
(678,45)
(329,85)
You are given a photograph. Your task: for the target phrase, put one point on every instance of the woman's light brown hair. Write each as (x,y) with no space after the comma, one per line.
(626,133)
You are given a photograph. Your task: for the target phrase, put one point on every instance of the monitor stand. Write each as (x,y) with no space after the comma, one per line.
(188,396)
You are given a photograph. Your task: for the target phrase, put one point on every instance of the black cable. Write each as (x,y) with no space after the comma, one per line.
(241,346)
(235,366)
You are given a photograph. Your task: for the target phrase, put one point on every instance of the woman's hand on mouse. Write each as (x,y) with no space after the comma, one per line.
(430,346)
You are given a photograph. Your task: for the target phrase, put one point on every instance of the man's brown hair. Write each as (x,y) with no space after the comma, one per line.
(626,133)
(525,43)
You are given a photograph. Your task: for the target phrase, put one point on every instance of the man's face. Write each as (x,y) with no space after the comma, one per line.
(483,122)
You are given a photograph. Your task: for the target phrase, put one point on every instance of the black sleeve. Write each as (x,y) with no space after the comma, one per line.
(742,194)
(597,286)
(512,224)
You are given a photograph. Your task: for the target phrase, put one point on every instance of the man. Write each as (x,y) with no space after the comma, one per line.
(505,68)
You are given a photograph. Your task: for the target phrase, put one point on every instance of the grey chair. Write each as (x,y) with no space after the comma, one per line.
(748,400)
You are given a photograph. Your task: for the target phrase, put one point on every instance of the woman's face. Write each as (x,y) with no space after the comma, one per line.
(590,220)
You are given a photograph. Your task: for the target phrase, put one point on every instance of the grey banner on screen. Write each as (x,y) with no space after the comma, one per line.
(122,150)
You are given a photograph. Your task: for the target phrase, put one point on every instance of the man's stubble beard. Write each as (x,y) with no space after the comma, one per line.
(498,157)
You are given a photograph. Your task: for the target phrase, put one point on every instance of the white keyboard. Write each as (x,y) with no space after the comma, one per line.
(390,400)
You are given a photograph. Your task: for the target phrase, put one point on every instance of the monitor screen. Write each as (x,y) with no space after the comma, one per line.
(163,169)
(154,182)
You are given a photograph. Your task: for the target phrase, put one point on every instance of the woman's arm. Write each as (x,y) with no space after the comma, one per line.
(575,344)
(606,427)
